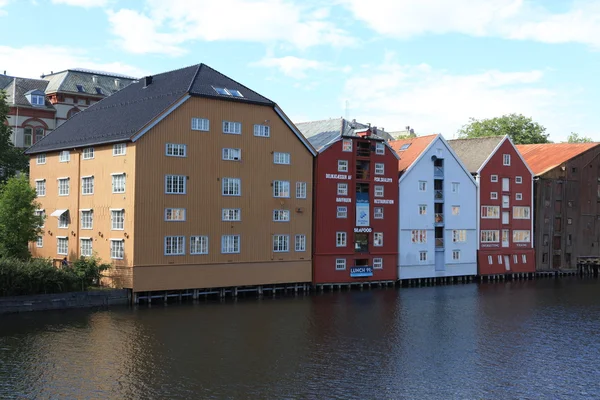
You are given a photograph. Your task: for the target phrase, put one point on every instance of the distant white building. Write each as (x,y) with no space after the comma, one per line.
(438,210)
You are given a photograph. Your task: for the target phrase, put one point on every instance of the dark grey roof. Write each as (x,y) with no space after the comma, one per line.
(120,116)
(321,133)
(17,88)
(473,152)
(5,80)
(91,82)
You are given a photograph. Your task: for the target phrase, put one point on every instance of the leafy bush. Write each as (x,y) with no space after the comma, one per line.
(39,276)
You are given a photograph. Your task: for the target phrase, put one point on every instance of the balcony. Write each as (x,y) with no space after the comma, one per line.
(439,218)
(438,171)
(439,195)
(439,243)
(362,174)
(363,152)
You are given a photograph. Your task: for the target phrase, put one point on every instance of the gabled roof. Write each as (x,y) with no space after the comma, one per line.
(475,152)
(544,157)
(415,147)
(323,132)
(70,80)
(128,113)
(17,88)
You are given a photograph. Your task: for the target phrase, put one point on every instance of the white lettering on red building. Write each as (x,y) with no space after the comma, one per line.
(343,200)
(382,201)
(380,179)
(338,176)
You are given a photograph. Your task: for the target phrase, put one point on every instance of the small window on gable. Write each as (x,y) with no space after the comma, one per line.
(347,145)
(41,159)
(380,148)
(119,149)
(494,178)
(518,179)
(506,159)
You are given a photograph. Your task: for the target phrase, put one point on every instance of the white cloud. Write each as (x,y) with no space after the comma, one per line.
(167,26)
(3,3)
(291,66)
(512,19)
(16,61)
(82,3)
(437,101)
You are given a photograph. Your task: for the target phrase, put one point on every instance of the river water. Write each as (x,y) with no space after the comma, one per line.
(528,340)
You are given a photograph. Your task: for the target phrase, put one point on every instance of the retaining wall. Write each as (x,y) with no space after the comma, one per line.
(61,301)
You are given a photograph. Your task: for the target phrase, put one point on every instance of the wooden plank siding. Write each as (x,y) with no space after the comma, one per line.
(256,263)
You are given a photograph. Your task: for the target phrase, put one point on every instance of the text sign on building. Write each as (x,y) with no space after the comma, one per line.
(381,179)
(362,230)
(338,176)
(362,209)
(361,272)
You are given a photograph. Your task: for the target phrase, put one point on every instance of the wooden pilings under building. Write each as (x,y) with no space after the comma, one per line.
(588,266)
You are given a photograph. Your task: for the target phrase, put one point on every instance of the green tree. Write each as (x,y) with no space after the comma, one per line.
(12,159)
(521,129)
(19,224)
(575,138)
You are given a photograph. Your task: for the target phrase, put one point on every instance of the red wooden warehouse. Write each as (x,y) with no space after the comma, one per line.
(505,204)
(355,204)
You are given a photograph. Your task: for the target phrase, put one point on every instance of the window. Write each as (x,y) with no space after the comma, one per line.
(231,214)
(118,183)
(524,258)
(422,209)
(281,158)
(518,179)
(340,264)
(505,201)
(63,220)
(198,244)
(98,90)
(281,243)
(347,145)
(422,186)
(506,159)
(490,212)
(378,213)
(422,256)
(455,255)
(342,165)
(419,236)
(175,184)
(340,239)
(174,245)
(41,159)
(40,187)
(342,189)
(459,235)
(232,154)
(490,236)
(378,239)
(80,88)
(262,131)
(519,196)
(455,210)
(232,187)
(490,260)
(455,187)
(379,168)
(117,249)
(63,186)
(174,214)
(379,148)
(494,178)
(119,149)
(39,242)
(300,190)
(230,244)
(234,128)
(222,91)
(378,191)
(117,220)
(200,124)
(521,236)
(62,244)
(87,219)
(37,100)
(342,212)
(87,185)
(499,259)
(569,221)
(300,244)
(64,156)
(27,136)
(378,263)
(521,213)
(505,184)
(405,146)
(493,195)
(281,215)
(88,153)
(545,258)
(281,189)
(42,215)
(175,150)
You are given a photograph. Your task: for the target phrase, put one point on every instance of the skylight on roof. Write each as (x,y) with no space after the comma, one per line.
(235,93)
(99,90)
(222,91)
(80,88)
(405,146)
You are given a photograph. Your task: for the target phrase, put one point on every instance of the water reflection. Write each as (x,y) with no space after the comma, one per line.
(533,339)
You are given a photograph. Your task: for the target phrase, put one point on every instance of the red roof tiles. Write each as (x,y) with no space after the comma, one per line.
(544,157)
(410,154)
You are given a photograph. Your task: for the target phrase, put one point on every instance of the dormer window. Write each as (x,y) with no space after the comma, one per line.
(36,98)
(80,88)
(99,90)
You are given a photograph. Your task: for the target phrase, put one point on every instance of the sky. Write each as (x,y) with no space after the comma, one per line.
(427,64)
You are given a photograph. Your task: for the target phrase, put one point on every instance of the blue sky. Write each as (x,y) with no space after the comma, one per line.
(430,64)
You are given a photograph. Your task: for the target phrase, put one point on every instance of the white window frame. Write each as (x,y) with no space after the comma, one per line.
(41,159)
(455,210)
(494,178)
(342,212)
(59,240)
(231,187)
(515,259)
(64,156)
(342,189)
(379,148)
(63,220)
(176,150)
(490,260)
(176,248)
(379,191)
(524,232)
(117,219)
(175,181)
(519,196)
(88,153)
(281,243)
(41,213)
(500,259)
(301,190)
(493,195)
(340,264)
(524,258)
(116,182)
(506,160)
(198,245)
(419,236)
(422,256)
(40,187)
(422,186)
(505,201)
(232,127)
(490,236)
(39,242)
(518,179)
(68,186)
(117,249)
(377,212)
(87,185)
(200,124)
(377,263)
(379,169)
(342,166)
(459,235)
(422,209)
(506,184)
(300,243)
(87,219)
(455,186)
(341,239)
(172,212)
(455,255)
(231,154)
(281,158)
(231,214)
(281,215)
(281,189)
(119,149)
(229,244)
(262,130)
(378,239)
(490,212)
(347,145)
(521,212)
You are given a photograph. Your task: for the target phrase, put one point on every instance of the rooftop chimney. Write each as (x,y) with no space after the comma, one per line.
(148,81)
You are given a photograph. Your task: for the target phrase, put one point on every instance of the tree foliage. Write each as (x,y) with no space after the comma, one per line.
(12,159)
(575,138)
(18,223)
(521,129)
